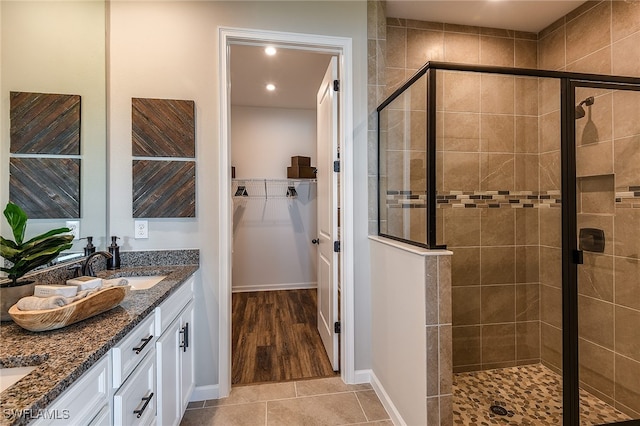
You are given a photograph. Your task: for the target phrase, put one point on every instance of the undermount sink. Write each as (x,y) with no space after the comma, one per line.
(144,282)
(9,376)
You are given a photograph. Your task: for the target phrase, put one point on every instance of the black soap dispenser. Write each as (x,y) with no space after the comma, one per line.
(89,248)
(114,250)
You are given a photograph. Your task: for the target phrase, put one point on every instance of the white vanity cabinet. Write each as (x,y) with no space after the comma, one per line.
(87,402)
(175,355)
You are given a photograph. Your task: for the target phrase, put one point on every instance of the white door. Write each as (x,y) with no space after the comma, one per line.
(327,153)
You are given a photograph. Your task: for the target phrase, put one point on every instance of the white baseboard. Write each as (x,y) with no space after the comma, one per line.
(362,376)
(388,404)
(272,287)
(203,393)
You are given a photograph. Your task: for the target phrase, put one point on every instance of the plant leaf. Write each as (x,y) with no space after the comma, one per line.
(17,219)
(48,234)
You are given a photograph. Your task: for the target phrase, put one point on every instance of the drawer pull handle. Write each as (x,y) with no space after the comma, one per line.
(185,337)
(145,401)
(139,349)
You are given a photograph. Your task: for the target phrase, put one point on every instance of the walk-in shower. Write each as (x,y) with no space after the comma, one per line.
(542,213)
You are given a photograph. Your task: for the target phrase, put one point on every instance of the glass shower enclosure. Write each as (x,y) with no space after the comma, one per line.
(532,179)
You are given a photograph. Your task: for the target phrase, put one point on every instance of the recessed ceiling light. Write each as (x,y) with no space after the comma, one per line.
(270,50)
(271,87)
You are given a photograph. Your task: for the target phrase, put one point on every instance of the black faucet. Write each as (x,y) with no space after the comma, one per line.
(87,269)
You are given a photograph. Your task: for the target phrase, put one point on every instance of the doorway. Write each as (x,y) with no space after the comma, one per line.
(341,48)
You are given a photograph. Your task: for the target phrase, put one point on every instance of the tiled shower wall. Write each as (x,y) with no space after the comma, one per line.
(603,37)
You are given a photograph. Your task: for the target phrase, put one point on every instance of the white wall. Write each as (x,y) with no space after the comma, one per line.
(58,47)
(170,50)
(272,234)
(263,140)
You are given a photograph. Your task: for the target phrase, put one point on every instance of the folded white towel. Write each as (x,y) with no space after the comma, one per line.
(114,282)
(33,303)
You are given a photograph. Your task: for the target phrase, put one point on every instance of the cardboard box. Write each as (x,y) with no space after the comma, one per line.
(301,172)
(300,161)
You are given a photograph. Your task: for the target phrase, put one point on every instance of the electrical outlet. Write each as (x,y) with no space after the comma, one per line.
(142,229)
(74,225)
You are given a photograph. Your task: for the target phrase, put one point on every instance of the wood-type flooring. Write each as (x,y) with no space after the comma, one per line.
(275,337)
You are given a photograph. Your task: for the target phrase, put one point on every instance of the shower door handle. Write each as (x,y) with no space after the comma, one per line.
(578,257)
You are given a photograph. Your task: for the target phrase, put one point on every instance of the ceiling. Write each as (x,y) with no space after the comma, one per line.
(297,74)
(522,15)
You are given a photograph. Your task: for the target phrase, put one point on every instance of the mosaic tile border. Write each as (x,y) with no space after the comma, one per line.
(476,199)
(628,197)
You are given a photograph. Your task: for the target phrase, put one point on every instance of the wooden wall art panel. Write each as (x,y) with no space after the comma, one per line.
(44,123)
(164,188)
(163,128)
(46,188)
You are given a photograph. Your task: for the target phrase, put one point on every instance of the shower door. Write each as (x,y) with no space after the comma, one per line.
(606,249)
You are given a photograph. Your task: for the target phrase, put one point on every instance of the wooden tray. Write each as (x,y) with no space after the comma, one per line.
(51,319)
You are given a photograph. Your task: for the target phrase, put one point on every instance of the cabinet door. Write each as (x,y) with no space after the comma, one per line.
(168,377)
(187,354)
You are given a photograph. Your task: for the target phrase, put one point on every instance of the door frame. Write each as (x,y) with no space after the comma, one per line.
(342,48)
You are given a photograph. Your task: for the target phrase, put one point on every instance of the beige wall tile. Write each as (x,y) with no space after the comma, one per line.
(466,345)
(548,95)
(598,62)
(549,132)
(396,47)
(423,46)
(551,346)
(551,51)
(418,94)
(595,276)
(527,226)
(433,360)
(497,172)
(550,227)
(461,171)
(627,332)
(528,340)
(626,105)
(627,386)
(498,226)
(595,321)
(433,410)
(461,131)
(551,305)
(589,32)
(626,19)
(446,410)
(596,194)
(465,302)
(497,265)
(461,48)
(394,77)
(594,159)
(462,227)
(527,264)
(551,266)
(497,304)
(596,126)
(625,54)
(627,272)
(526,53)
(626,225)
(497,133)
(465,266)
(497,94)
(527,302)
(550,171)
(444,290)
(425,25)
(527,177)
(497,51)
(446,359)
(596,366)
(626,159)
(526,134)
(498,343)
(461,91)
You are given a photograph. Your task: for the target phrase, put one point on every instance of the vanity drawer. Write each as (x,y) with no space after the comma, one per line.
(132,349)
(168,310)
(135,402)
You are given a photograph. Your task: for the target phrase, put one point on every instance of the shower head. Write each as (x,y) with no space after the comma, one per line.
(580,110)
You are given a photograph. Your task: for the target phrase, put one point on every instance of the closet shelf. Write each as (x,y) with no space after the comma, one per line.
(269,188)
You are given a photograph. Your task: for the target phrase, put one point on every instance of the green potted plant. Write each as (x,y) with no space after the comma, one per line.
(26,255)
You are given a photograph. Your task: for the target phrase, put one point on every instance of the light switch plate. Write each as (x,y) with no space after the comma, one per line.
(74,225)
(141,229)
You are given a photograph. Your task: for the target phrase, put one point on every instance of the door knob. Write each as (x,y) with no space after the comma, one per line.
(315,241)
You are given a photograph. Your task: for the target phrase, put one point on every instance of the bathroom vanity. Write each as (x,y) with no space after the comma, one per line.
(131,365)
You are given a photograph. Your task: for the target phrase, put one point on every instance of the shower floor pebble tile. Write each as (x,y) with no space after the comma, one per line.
(530,395)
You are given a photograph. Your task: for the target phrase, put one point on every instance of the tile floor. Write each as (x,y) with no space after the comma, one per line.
(530,395)
(306,402)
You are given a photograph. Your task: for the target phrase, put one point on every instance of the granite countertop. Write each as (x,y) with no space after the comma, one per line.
(62,356)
